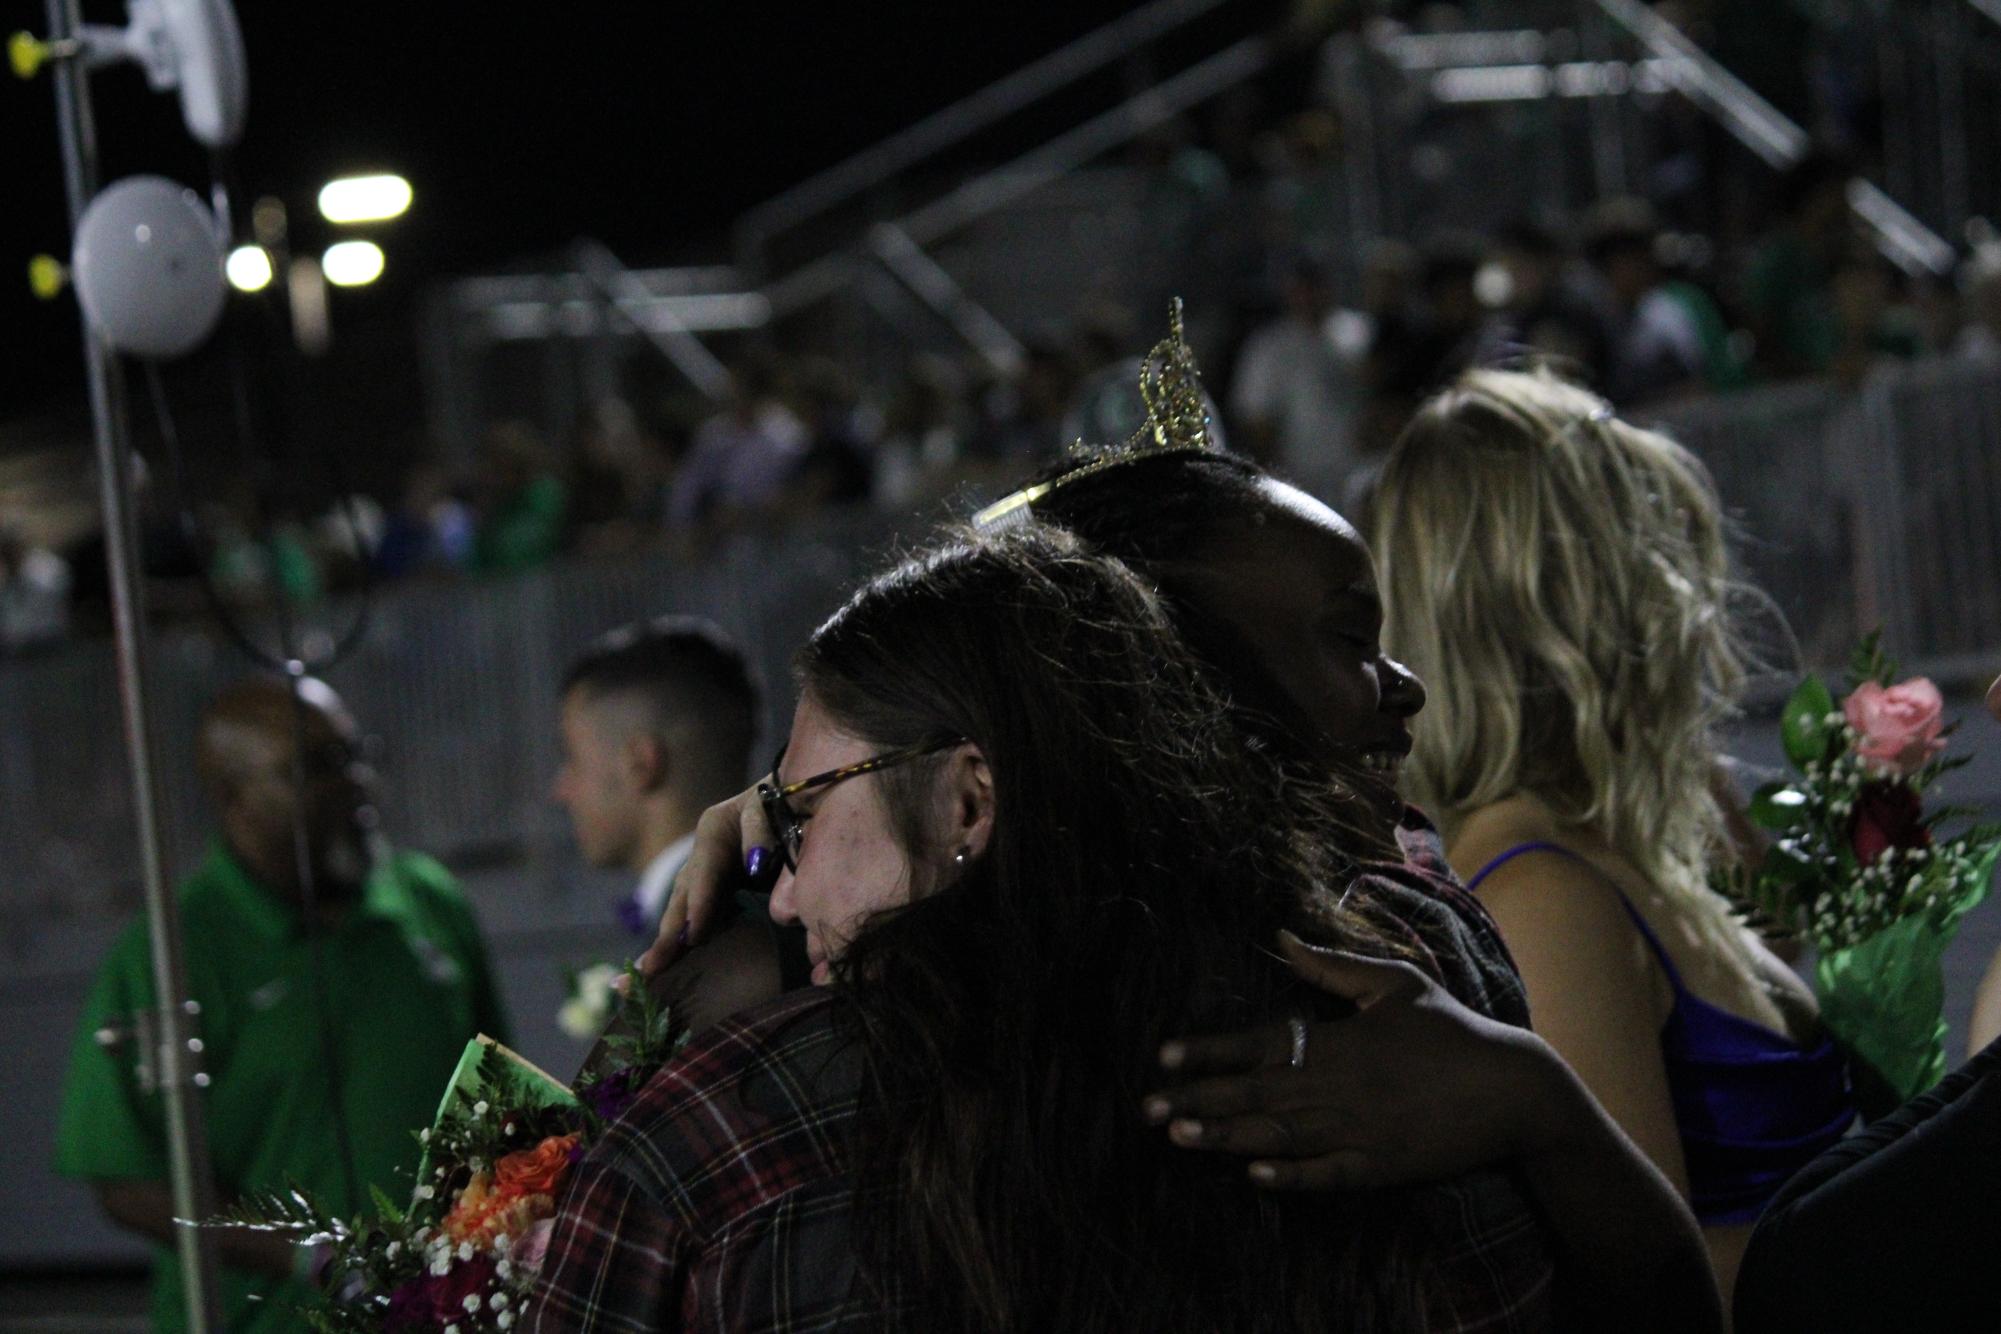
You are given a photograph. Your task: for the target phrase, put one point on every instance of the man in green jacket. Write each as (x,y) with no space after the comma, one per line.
(327,1035)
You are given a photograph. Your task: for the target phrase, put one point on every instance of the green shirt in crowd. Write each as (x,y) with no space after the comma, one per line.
(406,983)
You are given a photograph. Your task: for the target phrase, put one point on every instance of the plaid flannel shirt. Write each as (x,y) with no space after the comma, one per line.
(722,1201)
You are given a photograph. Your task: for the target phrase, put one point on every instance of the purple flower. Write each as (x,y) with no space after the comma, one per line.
(610,1096)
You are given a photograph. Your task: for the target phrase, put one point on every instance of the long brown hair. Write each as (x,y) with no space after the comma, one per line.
(1145,850)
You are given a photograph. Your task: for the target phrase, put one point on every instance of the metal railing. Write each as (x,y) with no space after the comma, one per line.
(958,122)
(1762,128)
(996,189)
(1867,507)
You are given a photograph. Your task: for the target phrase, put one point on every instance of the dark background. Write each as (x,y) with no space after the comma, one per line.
(649,126)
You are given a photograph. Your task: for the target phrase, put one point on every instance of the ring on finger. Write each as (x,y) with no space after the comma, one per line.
(1298,1058)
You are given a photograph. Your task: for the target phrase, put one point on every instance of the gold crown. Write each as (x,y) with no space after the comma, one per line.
(1177,422)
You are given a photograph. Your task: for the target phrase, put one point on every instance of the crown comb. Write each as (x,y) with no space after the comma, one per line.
(1177,422)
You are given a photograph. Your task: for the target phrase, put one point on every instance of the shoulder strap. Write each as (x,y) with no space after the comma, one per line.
(1646,932)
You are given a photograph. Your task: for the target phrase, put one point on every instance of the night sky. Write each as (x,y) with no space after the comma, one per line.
(649,126)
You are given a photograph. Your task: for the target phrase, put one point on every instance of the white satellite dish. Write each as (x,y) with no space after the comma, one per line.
(148,267)
(191,45)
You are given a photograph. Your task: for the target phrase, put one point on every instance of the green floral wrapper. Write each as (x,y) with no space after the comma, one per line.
(1883,999)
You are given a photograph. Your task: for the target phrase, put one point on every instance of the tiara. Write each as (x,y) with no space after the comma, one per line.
(1177,422)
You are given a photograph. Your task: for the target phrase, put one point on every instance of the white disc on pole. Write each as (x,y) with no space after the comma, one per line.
(148,267)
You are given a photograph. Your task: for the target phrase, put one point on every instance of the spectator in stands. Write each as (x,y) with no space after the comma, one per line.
(1306,192)
(1185,189)
(34,593)
(1788,285)
(332,1010)
(1024,414)
(430,531)
(1441,334)
(1980,330)
(744,456)
(1296,392)
(1670,337)
(921,432)
(657,724)
(253,568)
(164,553)
(524,511)
(1873,320)
(838,467)
(1552,313)
(619,473)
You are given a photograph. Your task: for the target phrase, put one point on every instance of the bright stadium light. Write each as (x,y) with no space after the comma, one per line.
(364,198)
(248,268)
(352,263)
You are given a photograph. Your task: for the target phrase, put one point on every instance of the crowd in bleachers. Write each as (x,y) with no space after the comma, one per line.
(1317,345)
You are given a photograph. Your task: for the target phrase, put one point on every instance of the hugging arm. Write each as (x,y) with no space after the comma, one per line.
(1416,1087)
(726,831)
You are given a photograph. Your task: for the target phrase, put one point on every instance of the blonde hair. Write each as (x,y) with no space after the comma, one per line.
(1560,580)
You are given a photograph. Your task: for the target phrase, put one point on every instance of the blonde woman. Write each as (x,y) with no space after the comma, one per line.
(1559,578)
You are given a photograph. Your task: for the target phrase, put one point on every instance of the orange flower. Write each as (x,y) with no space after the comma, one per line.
(485,1210)
(470,1211)
(536,1171)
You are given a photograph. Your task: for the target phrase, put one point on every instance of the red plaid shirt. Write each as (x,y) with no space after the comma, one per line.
(722,1200)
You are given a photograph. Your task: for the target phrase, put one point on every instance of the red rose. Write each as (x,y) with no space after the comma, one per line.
(437,1300)
(1886,815)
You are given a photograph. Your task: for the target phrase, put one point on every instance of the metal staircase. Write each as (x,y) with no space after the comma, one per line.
(1474,128)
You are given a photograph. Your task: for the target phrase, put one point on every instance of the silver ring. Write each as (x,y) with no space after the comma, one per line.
(1298,1026)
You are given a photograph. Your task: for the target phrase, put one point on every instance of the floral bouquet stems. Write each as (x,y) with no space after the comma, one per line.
(1859,867)
(463,1255)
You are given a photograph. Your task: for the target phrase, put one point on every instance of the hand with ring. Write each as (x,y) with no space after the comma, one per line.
(1411,1087)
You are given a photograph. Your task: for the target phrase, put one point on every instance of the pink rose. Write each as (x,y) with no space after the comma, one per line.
(533,1247)
(1897,726)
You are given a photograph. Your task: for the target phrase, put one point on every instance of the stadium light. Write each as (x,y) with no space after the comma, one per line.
(364,198)
(352,263)
(248,268)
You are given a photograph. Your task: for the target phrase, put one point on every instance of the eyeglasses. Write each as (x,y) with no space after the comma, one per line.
(789,826)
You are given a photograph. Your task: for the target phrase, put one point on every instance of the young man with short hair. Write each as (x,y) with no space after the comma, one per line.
(657,724)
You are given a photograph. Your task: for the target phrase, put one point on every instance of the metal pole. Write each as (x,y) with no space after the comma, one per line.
(187,1139)
(928,281)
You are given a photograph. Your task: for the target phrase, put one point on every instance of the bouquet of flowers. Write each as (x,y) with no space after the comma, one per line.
(1860,868)
(461,1256)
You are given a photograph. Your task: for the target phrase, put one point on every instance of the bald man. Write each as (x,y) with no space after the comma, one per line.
(361,984)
